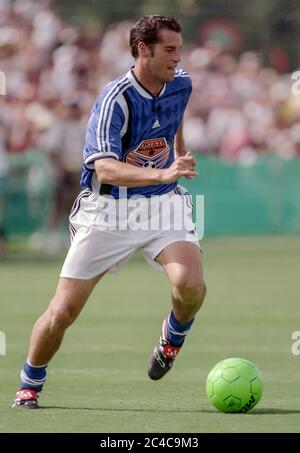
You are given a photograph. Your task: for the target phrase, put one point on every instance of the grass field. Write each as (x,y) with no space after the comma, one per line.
(98,382)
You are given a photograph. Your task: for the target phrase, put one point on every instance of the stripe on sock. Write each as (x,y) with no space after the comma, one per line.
(33,377)
(173,331)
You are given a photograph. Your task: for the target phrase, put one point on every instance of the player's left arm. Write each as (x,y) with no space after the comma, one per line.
(180,146)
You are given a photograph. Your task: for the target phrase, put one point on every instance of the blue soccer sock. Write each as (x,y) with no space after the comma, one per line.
(173,331)
(33,377)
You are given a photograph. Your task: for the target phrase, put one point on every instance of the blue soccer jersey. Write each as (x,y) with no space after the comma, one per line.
(129,124)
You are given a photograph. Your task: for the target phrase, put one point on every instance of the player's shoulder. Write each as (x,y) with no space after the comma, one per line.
(183,78)
(115,87)
(110,93)
(179,72)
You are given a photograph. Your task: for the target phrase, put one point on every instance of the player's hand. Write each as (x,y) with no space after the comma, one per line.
(191,158)
(182,166)
(193,162)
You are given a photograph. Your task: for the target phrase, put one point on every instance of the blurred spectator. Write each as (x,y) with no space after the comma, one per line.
(64,142)
(19,131)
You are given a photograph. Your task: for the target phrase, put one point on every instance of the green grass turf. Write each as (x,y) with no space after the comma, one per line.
(98,382)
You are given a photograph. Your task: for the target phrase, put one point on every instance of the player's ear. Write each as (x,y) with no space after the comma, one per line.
(144,51)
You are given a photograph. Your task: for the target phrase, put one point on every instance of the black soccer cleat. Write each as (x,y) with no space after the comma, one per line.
(162,359)
(26,399)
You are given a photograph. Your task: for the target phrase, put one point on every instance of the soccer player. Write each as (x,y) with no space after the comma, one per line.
(134,151)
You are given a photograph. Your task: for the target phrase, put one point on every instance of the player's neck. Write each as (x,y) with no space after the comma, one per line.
(152,85)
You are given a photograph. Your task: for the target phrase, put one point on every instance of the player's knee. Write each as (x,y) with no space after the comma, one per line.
(191,290)
(61,317)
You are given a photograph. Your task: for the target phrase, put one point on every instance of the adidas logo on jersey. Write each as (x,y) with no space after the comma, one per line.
(155,124)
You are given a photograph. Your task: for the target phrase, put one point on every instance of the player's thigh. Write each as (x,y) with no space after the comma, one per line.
(182,262)
(71,295)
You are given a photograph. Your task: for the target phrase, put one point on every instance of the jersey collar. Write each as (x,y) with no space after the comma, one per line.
(140,88)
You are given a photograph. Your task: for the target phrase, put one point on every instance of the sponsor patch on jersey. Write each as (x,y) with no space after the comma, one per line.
(152,153)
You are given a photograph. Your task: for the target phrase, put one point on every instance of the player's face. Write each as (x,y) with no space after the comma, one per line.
(165,56)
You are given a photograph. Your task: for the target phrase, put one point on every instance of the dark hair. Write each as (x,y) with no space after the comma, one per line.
(147,30)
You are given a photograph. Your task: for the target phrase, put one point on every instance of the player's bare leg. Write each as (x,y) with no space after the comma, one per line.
(47,334)
(183,265)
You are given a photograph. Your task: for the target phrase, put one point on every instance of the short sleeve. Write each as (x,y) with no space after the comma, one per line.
(103,135)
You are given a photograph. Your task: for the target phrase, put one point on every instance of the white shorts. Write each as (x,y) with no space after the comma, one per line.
(106,232)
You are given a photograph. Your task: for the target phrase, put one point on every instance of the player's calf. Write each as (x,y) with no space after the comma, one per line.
(187,299)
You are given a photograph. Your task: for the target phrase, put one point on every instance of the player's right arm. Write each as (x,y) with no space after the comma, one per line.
(114,172)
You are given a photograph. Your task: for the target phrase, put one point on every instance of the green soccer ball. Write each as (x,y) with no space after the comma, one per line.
(234,385)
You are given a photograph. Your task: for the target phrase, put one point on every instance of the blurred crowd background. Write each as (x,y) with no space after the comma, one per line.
(56,57)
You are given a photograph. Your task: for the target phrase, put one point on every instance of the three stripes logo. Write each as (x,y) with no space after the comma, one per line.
(155,124)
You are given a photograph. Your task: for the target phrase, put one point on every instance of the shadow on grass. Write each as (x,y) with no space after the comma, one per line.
(263,411)
(273,411)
